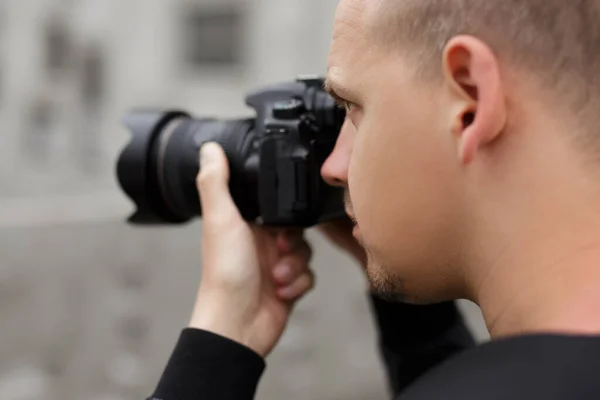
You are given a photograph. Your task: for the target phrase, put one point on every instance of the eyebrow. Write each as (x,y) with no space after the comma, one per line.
(334,90)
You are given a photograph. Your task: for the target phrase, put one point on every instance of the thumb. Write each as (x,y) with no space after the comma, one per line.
(213,183)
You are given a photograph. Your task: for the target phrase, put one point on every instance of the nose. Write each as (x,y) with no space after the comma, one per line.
(335,168)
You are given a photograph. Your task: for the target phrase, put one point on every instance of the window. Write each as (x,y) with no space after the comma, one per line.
(93,75)
(57,46)
(212,37)
(92,94)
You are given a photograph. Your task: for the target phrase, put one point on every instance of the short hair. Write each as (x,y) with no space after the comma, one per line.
(557,40)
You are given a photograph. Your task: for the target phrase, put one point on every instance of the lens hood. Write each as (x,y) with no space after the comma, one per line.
(135,172)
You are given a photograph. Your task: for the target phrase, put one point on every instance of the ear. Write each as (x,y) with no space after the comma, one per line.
(479,111)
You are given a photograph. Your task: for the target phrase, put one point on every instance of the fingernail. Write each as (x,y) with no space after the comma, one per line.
(207,152)
(283,272)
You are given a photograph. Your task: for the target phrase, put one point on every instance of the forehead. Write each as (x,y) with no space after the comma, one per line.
(351,43)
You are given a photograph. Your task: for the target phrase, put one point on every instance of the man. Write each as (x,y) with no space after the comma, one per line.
(470,154)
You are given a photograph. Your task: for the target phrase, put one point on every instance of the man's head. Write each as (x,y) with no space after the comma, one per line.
(459,112)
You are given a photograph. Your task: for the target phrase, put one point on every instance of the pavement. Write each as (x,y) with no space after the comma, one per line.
(91,310)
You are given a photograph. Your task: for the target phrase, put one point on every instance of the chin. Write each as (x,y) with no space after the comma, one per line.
(384,283)
(390,284)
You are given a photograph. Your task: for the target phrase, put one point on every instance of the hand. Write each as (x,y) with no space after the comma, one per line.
(339,232)
(251,276)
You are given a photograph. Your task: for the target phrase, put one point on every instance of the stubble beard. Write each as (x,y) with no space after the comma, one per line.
(383,283)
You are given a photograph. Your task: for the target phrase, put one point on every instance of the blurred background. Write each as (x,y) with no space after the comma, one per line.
(90,308)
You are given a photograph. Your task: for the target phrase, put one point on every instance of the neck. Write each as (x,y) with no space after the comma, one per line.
(538,265)
(548,291)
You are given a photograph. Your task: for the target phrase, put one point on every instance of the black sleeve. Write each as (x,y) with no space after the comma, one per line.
(413,339)
(210,367)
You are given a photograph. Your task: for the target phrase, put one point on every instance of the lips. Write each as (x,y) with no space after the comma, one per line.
(349,213)
(349,209)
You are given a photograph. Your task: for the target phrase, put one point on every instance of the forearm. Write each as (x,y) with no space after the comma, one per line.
(208,366)
(414,339)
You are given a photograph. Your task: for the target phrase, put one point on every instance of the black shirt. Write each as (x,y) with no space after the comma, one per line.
(428,352)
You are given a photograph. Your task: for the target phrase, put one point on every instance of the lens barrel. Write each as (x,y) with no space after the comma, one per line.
(159,166)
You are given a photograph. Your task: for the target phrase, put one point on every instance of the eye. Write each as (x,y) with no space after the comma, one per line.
(346,105)
(342,103)
(349,106)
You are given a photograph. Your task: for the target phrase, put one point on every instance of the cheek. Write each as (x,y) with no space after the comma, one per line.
(398,182)
(370,175)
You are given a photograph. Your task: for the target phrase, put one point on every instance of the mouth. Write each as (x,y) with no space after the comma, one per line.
(351,216)
(355,228)
(350,212)
(348,207)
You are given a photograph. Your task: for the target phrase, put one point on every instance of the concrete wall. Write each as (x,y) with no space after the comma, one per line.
(90,307)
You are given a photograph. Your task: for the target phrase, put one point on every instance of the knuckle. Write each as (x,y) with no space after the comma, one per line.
(206,176)
(202,179)
(303,285)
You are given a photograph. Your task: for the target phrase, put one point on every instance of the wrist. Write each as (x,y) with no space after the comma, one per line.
(219,326)
(215,317)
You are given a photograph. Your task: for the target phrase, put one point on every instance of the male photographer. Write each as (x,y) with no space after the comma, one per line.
(470,155)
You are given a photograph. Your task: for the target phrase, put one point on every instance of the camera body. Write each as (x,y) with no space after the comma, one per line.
(275,159)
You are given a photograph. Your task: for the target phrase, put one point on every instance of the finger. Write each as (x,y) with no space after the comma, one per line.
(292,232)
(290,240)
(289,268)
(298,288)
(338,231)
(342,225)
(265,245)
(213,183)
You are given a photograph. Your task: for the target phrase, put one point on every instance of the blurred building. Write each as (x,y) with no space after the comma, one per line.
(69,70)
(91,308)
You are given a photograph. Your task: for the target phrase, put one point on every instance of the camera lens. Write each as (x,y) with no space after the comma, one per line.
(158,168)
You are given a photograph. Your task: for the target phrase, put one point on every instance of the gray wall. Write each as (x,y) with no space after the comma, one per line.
(90,307)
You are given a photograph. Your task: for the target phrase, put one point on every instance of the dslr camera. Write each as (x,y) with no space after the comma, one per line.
(274,159)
